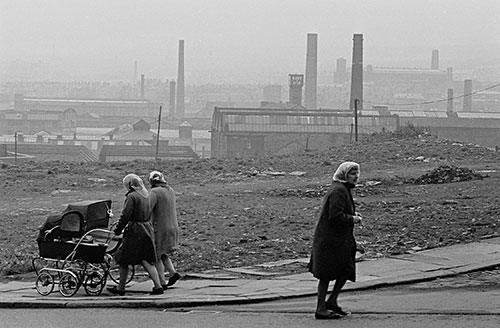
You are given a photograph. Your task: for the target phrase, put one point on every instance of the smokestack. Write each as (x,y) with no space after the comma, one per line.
(180,81)
(311,82)
(295,82)
(142,86)
(449,103)
(357,72)
(435,59)
(171,99)
(467,96)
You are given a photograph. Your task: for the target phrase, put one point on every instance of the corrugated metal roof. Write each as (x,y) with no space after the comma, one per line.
(478,115)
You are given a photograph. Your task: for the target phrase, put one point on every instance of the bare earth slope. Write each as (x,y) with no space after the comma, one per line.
(239,212)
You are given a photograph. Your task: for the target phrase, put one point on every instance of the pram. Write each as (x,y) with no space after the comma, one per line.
(75,249)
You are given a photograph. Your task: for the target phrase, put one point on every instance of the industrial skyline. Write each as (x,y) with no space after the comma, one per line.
(235,41)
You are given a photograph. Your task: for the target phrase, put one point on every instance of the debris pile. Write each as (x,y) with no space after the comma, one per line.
(447,174)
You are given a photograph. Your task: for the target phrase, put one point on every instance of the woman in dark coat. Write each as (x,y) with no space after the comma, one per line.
(138,245)
(334,247)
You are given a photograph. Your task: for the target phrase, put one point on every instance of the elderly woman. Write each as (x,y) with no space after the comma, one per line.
(138,245)
(334,247)
(164,218)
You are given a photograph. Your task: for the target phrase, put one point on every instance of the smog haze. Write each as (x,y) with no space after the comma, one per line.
(241,40)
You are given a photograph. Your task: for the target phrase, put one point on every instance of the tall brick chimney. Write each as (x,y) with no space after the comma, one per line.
(180,81)
(142,86)
(435,59)
(357,72)
(311,82)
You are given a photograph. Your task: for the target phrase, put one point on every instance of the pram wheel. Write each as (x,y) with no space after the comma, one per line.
(44,283)
(68,284)
(94,283)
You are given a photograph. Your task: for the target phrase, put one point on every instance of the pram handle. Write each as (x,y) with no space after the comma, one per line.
(82,239)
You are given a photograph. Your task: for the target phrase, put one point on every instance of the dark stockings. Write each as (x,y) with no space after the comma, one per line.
(322,292)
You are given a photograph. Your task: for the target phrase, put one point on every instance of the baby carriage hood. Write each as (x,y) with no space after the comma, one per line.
(65,226)
(77,219)
(95,212)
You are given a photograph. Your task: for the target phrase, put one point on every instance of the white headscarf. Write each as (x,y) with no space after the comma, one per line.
(156,177)
(340,174)
(133,182)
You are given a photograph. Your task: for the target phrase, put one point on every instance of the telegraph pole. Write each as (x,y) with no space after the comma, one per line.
(158,135)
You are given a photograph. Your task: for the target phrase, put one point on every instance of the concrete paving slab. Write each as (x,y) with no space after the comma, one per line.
(16,285)
(466,253)
(494,240)
(418,257)
(283,262)
(252,271)
(299,277)
(223,288)
(392,267)
(214,276)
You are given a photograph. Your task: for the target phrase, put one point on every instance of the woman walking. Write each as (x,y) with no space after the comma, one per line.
(164,218)
(138,246)
(334,247)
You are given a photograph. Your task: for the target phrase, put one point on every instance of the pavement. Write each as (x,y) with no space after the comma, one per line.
(257,284)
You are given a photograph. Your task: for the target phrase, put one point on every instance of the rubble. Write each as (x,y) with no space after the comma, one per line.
(448,174)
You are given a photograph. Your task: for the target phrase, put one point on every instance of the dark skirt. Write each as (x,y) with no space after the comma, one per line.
(138,244)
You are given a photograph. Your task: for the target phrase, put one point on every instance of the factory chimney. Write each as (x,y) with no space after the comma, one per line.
(180,81)
(449,103)
(171,99)
(357,73)
(142,86)
(467,96)
(311,81)
(295,82)
(435,59)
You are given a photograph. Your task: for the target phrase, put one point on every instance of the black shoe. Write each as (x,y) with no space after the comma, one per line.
(165,286)
(328,316)
(115,291)
(156,291)
(172,280)
(337,309)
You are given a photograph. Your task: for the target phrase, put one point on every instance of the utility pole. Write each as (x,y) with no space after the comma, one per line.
(158,135)
(356,101)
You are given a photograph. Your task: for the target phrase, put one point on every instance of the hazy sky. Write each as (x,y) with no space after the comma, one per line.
(233,37)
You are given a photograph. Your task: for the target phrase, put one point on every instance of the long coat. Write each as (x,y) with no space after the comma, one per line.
(164,219)
(138,237)
(334,247)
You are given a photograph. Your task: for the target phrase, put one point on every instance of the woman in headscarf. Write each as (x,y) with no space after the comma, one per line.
(138,245)
(164,218)
(334,247)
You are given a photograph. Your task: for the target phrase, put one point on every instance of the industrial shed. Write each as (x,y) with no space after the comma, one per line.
(250,132)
